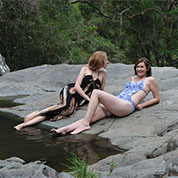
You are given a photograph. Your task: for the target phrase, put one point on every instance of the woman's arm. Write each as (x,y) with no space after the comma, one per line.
(155,92)
(79,81)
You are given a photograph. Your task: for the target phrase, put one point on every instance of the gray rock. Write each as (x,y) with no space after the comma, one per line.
(149,137)
(64,175)
(16,167)
(144,169)
(3,66)
(15,159)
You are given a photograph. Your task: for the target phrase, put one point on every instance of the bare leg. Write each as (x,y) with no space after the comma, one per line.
(33,121)
(99,114)
(85,124)
(69,128)
(113,104)
(31,116)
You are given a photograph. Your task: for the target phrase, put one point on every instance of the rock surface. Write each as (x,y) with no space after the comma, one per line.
(3,66)
(16,167)
(149,136)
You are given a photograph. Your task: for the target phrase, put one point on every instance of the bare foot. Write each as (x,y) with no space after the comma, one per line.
(80,129)
(57,131)
(18,127)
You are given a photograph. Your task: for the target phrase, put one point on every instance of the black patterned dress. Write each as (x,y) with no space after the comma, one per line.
(70,99)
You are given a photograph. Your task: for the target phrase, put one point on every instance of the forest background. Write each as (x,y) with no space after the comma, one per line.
(36,32)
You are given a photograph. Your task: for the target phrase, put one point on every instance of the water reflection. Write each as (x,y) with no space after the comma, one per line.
(33,144)
(8,101)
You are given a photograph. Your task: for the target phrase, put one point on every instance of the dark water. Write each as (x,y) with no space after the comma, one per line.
(33,144)
(8,102)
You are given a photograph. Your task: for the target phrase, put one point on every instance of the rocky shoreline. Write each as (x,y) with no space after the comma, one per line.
(16,167)
(149,135)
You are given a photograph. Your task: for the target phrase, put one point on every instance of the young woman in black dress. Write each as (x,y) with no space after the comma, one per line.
(75,94)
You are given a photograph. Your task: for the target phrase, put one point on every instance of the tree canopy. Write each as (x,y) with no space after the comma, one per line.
(69,31)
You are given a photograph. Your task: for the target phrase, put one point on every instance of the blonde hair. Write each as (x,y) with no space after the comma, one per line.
(96,60)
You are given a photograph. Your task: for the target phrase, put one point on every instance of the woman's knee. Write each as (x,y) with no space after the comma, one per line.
(95,93)
(30,116)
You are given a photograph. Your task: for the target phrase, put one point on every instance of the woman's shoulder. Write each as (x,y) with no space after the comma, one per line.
(133,78)
(84,69)
(150,79)
(102,71)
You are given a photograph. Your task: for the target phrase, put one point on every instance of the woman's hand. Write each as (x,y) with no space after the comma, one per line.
(139,106)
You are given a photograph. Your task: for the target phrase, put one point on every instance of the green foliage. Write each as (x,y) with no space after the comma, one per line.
(80,168)
(112,166)
(15,37)
(62,31)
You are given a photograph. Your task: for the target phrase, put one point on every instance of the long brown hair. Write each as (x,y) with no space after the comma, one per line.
(147,64)
(96,60)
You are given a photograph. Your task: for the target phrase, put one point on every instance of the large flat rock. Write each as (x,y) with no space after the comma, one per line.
(149,133)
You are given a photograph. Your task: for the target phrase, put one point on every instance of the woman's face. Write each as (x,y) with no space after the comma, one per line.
(106,62)
(141,69)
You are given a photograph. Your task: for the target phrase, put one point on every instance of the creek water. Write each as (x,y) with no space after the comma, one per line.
(32,143)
